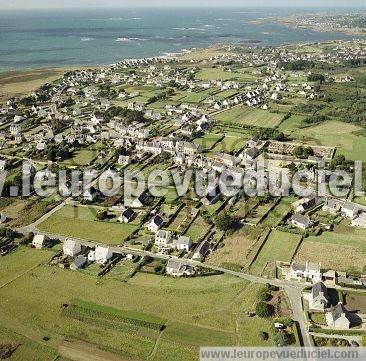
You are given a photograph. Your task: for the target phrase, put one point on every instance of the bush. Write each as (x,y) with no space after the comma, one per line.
(284,339)
(263,309)
(264,336)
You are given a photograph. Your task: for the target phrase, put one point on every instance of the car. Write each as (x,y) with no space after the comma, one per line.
(354,343)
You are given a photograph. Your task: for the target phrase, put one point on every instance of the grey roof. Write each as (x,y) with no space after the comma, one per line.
(184,240)
(319,288)
(298,267)
(333,203)
(349,206)
(79,261)
(175,265)
(338,311)
(302,219)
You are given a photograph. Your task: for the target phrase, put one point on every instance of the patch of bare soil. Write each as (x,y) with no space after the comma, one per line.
(7,350)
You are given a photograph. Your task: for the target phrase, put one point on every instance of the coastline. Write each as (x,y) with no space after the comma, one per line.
(292,23)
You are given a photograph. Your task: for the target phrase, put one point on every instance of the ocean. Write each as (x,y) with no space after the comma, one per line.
(35,39)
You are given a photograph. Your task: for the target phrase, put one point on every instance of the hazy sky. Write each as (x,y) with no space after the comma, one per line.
(29,4)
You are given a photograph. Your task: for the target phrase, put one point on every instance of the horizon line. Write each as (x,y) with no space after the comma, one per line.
(187,6)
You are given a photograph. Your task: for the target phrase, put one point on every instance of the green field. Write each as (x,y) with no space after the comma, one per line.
(82,157)
(279,212)
(242,115)
(198,229)
(220,74)
(208,140)
(28,349)
(230,144)
(198,311)
(280,246)
(79,222)
(344,136)
(291,124)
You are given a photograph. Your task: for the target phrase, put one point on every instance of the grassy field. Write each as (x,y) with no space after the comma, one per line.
(198,229)
(198,311)
(27,349)
(230,144)
(280,246)
(330,247)
(236,248)
(291,124)
(220,74)
(20,83)
(208,140)
(253,117)
(279,212)
(82,157)
(79,222)
(192,97)
(344,136)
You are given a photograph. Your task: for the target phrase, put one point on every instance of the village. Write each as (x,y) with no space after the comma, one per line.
(225,108)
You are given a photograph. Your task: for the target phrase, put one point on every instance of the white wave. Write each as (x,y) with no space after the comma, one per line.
(129,40)
(86,39)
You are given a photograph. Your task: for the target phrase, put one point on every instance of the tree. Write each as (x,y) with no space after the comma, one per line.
(317,77)
(263,309)
(224,221)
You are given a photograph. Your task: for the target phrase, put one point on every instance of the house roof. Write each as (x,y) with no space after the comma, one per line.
(319,288)
(298,267)
(339,311)
(79,261)
(163,234)
(185,240)
(302,219)
(101,252)
(349,206)
(128,213)
(157,220)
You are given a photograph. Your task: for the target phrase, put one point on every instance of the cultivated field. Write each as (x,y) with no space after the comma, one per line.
(330,247)
(242,115)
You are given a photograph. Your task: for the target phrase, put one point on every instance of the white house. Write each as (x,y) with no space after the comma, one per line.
(155,224)
(163,239)
(350,210)
(338,317)
(310,272)
(301,221)
(126,216)
(71,248)
(124,160)
(39,241)
(184,243)
(102,254)
(177,268)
